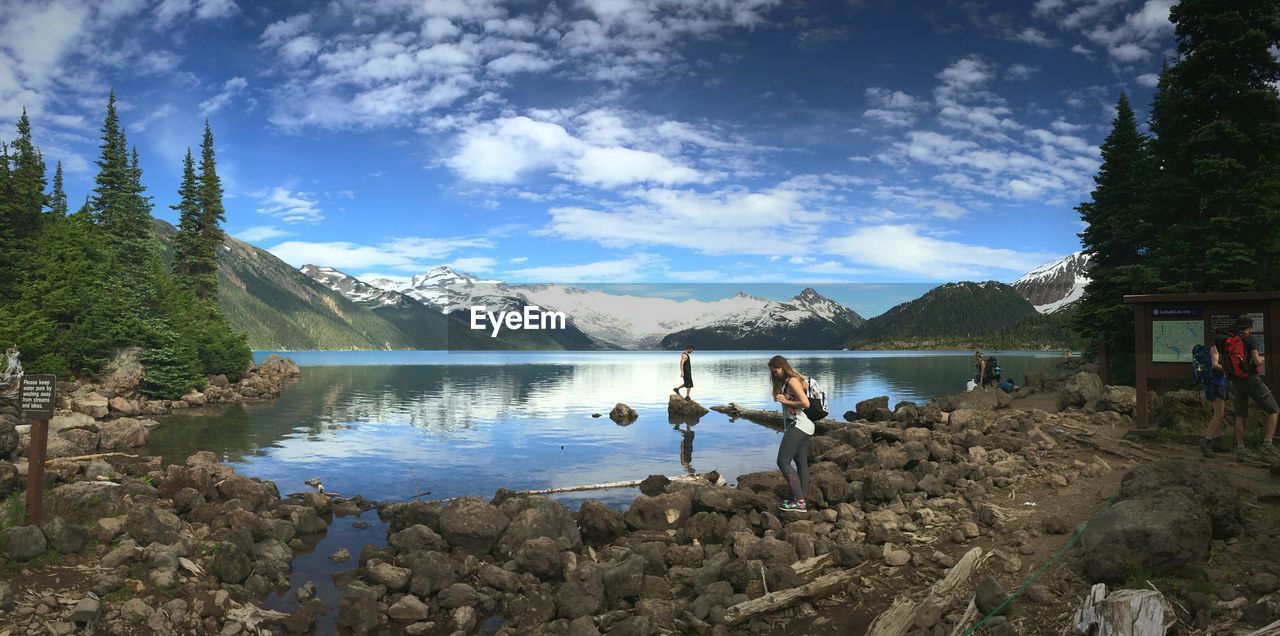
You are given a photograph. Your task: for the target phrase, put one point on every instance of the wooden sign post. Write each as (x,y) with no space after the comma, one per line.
(35,403)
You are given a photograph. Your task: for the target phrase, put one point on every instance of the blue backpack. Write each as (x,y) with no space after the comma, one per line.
(1202,364)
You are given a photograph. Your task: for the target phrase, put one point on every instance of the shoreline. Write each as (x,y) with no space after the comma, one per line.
(525,558)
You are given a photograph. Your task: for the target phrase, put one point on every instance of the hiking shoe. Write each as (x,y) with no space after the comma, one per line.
(793,506)
(1206,447)
(1239,454)
(1268,452)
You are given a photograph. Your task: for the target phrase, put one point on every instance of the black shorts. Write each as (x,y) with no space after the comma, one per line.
(688,383)
(1213,391)
(1252,388)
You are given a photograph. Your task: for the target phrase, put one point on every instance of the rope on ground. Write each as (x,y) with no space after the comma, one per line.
(1034,575)
(1070,542)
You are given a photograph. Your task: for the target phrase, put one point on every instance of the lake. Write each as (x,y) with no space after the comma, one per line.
(389,425)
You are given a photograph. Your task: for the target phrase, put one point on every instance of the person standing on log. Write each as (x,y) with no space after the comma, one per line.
(686,373)
(797,430)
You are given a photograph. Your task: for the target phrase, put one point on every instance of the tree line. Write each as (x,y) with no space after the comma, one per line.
(1194,205)
(78,287)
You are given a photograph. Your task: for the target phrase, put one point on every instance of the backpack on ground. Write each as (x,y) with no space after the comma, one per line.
(1202,364)
(1236,365)
(817,400)
(1007,386)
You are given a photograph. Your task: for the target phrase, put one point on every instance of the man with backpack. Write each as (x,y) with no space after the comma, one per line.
(1206,366)
(1242,363)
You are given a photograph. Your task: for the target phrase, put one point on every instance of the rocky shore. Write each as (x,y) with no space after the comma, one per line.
(196,548)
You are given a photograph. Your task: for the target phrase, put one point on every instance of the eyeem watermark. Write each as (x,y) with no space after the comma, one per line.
(532,318)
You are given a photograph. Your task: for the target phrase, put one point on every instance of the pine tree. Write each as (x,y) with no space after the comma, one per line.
(58,198)
(212,216)
(1116,237)
(28,182)
(186,242)
(1216,121)
(9,244)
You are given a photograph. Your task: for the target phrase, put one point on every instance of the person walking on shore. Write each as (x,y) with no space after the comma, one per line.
(797,430)
(686,373)
(1214,381)
(1242,364)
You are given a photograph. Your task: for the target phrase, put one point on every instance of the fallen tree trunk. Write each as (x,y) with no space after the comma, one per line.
(809,567)
(899,618)
(82,458)
(773,419)
(821,587)
(601,486)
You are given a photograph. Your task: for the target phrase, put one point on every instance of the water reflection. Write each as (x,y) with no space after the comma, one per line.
(469,424)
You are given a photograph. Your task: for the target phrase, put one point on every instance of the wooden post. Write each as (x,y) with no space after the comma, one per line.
(1104,366)
(35,471)
(35,403)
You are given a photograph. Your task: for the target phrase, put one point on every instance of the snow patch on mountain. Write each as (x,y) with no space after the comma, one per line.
(1053,286)
(351,287)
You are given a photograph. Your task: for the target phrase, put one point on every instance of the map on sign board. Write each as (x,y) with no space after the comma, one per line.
(1172,340)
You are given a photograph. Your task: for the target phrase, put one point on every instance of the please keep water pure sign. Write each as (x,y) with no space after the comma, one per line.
(35,398)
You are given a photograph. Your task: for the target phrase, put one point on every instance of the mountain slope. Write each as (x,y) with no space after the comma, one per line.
(1055,285)
(807,321)
(947,311)
(279,307)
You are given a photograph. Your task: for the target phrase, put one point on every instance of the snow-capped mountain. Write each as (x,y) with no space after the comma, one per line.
(807,321)
(351,287)
(1055,285)
(632,321)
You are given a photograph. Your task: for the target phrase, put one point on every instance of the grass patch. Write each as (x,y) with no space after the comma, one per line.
(119,595)
(14,511)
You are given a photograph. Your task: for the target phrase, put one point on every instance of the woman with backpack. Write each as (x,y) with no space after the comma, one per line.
(1214,380)
(797,430)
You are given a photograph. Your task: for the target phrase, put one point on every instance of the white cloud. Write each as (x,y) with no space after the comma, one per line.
(519,259)
(474,264)
(1150,80)
(261,233)
(170,11)
(405,254)
(289,206)
(1036,37)
(892,108)
(282,31)
(631,269)
(230,89)
(1019,72)
(213,9)
(916,253)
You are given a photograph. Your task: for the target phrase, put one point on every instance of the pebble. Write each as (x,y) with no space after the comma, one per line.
(341,556)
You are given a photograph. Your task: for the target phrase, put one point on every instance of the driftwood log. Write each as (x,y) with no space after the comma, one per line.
(820,587)
(602,486)
(85,458)
(900,617)
(773,419)
(1270,630)
(1121,613)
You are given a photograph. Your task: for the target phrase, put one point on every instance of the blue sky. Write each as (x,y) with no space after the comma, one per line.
(617,141)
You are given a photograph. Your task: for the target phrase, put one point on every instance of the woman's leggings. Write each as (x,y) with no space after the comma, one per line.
(795,447)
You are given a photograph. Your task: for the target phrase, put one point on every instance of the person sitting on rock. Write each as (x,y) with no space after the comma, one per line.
(1215,391)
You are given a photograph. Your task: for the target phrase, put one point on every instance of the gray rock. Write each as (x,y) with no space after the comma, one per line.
(988,596)
(87,610)
(600,524)
(654,485)
(8,437)
(6,596)
(24,542)
(865,408)
(10,480)
(622,413)
(409,609)
(499,579)
(459,595)
(91,404)
(541,558)
(1264,583)
(582,595)
(683,410)
(663,512)
(432,572)
(341,556)
(136,610)
(358,608)
(1082,390)
(394,578)
(533,517)
(122,434)
(623,579)
(417,537)
(85,501)
(472,524)
(64,537)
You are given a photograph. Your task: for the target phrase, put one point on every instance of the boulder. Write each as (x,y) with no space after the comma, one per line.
(122,434)
(1081,391)
(10,480)
(92,404)
(24,542)
(409,609)
(8,437)
(417,537)
(122,406)
(194,398)
(1206,484)
(64,537)
(124,372)
(663,512)
(85,501)
(600,524)
(865,409)
(1121,399)
(684,410)
(468,522)
(622,413)
(540,557)
(536,517)
(1182,410)
(654,485)
(582,595)
(358,608)
(1165,536)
